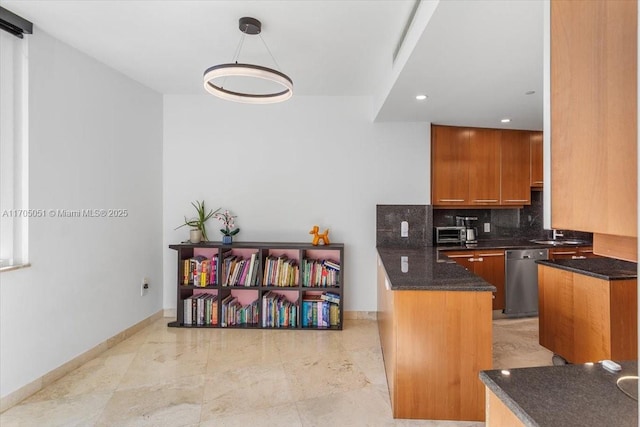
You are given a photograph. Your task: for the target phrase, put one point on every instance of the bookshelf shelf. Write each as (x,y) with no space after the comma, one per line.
(259,285)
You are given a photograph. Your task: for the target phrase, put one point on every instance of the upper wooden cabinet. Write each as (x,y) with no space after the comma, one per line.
(472,167)
(594,120)
(537,174)
(516,158)
(484,166)
(450,156)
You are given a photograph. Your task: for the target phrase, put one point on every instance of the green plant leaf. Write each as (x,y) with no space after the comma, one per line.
(234,232)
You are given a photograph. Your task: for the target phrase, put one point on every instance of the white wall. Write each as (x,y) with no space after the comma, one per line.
(95,142)
(285,167)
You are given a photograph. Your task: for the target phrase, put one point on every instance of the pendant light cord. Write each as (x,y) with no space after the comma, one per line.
(270,54)
(236,56)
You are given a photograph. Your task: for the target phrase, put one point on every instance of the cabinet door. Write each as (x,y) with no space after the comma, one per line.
(535,143)
(490,266)
(563,253)
(449,166)
(555,310)
(484,166)
(515,177)
(594,117)
(587,252)
(461,257)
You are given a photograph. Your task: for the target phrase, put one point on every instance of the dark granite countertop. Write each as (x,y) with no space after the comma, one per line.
(601,268)
(507,244)
(569,395)
(425,270)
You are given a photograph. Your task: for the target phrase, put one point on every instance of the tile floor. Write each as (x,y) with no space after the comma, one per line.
(202,377)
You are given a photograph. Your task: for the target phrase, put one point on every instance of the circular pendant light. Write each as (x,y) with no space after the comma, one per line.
(213,74)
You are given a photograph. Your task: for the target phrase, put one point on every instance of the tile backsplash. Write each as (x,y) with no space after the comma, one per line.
(523,223)
(389,218)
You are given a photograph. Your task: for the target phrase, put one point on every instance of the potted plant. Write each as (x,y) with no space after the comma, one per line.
(198,231)
(228,221)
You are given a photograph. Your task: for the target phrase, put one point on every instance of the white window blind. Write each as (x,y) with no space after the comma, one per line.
(14,150)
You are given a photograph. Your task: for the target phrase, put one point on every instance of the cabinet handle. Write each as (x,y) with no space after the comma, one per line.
(476,259)
(485,201)
(516,200)
(578,257)
(538,182)
(458,256)
(565,253)
(451,200)
(502,254)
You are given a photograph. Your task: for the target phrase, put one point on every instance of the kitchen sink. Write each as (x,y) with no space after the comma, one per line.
(559,242)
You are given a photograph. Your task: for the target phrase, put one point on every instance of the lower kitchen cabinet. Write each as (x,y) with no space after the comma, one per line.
(586,319)
(580,252)
(434,343)
(488,264)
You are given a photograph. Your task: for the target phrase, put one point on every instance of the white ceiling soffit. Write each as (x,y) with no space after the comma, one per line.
(474,60)
(328,48)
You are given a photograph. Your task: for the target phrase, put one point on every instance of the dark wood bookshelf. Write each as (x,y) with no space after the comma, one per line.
(295,294)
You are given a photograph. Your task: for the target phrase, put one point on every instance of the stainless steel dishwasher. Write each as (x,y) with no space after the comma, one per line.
(521,281)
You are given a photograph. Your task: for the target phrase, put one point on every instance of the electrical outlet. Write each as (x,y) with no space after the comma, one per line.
(144,286)
(404,229)
(487,227)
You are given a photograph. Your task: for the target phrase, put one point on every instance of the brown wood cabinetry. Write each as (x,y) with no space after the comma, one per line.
(488,264)
(473,167)
(515,149)
(484,166)
(434,344)
(498,414)
(566,252)
(537,162)
(586,319)
(594,122)
(449,165)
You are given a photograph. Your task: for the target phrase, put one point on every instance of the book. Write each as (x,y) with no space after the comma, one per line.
(247,279)
(334,315)
(331,297)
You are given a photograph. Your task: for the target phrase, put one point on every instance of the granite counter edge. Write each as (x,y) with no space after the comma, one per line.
(552,264)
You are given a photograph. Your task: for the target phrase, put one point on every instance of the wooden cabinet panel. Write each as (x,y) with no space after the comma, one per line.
(498,414)
(473,167)
(449,165)
(579,252)
(594,117)
(434,344)
(591,321)
(515,181)
(537,162)
(484,166)
(563,253)
(555,308)
(586,319)
(623,306)
(489,265)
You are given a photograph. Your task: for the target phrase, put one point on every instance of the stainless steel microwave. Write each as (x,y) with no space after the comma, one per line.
(450,235)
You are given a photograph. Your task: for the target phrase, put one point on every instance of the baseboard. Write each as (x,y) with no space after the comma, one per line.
(38,384)
(360,315)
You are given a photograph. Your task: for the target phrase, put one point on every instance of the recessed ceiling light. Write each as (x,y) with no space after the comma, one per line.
(505,120)
(421,97)
(530,92)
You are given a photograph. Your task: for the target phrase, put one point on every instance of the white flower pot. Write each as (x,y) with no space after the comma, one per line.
(195,236)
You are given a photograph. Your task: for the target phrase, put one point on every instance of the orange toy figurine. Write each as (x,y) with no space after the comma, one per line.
(317,236)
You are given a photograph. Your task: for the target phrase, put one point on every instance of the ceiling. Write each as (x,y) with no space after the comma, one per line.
(474,59)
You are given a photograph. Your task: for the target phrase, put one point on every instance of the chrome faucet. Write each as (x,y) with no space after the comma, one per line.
(557,233)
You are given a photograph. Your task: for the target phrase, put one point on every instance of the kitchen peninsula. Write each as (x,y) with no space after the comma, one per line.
(434,318)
